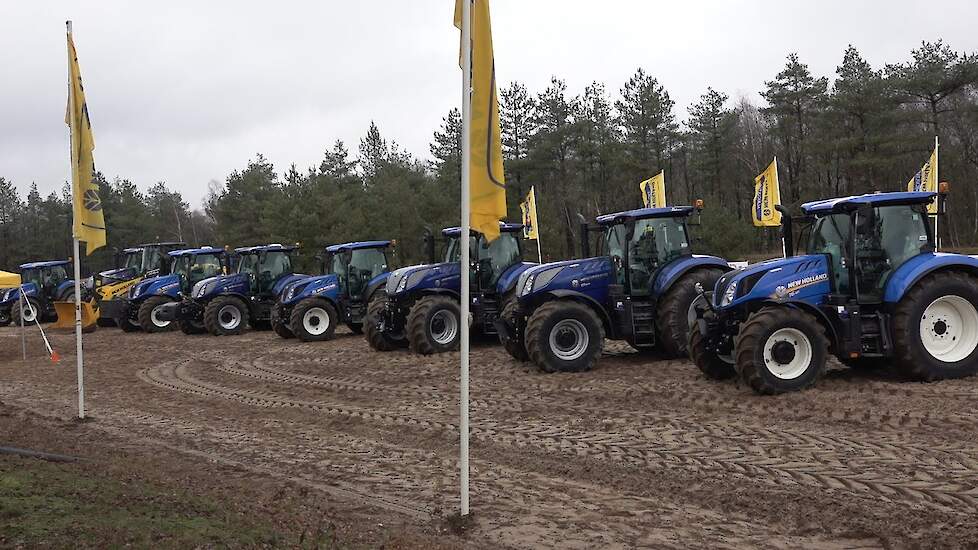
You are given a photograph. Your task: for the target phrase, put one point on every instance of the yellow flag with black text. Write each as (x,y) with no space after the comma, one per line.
(89,223)
(926,180)
(767,194)
(487,184)
(654,191)
(529,209)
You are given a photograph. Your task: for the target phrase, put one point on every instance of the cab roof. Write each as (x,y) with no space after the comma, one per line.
(848,204)
(48,263)
(645,213)
(334,248)
(504,227)
(167,243)
(194,251)
(265,248)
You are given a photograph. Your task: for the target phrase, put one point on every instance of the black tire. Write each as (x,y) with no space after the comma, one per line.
(145,315)
(515,346)
(709,363)
(283,330)
(127,325)
(912,356)
(28,318)
(355,328)
(321,316)
(192,326)
(429,325)
(225,316)
(255,324)
(548,317)
(752,340)
(378,340)
(672,328)
(4,317)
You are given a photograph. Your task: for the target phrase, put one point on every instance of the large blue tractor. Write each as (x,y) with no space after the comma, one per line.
(639,291)
(224,304)
(44,283)
(147,298)
(422,302)
(869,289)
(354,274)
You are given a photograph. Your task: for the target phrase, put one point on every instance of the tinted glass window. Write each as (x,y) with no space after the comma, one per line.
(204,266)
(152,259)
(133,260)
(830,235)
(654,243)
(886,237)
(497,256)
(615,242)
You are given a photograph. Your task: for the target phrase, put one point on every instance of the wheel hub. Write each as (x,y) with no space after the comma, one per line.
(316,321)
(783,352)
(569,340)
(788,353)
(949,329)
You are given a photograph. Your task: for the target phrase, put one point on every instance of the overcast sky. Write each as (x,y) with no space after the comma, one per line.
(185,92)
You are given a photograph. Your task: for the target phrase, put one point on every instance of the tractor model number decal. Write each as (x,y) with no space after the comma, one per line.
(324,288)
(586,281)
(163,289)
(793,287)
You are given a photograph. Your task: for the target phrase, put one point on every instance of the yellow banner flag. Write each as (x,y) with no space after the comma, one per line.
(487,184)
(926,180)
(529,209)
(767,194)
(654,191)
(89,224)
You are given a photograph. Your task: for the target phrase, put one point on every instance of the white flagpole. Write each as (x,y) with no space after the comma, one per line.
(463,427)
(79,354)
(937,235)
(23,334)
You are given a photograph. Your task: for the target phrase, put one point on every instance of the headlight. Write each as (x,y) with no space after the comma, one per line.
(528,284)
(402,285)
(134,292)
(729,294)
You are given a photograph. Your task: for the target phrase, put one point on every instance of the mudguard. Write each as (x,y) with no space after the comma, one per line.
(64,288)
(673,271)
(509,277)
(918,267)
(580,296)
(374,284)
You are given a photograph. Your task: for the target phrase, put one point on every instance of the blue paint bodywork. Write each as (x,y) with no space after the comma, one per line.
(846,204)
(784,280)
(917,267)
(166,285)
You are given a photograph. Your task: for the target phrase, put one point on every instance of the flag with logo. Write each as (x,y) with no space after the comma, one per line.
(89,224)
(529,209)
(654,191)
(487,184)
(926,180)
(767,194)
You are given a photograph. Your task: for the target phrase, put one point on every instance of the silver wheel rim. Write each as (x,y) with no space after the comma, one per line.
(443,327)
(229,317)
(29,313)
(569,340)
(154,316)
(800,361)
(949,329)
(315,321)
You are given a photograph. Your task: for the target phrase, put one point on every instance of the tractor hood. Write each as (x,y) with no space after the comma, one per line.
(798,278)
(166,285)
(317,285)
(237,283)
(589,276)
(8,296)
(406,279)
(116,275)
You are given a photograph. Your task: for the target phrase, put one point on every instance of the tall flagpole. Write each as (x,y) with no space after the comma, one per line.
(937,180)
(463,427)
(79,355)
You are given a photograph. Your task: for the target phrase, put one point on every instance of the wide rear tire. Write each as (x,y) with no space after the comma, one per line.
(313,320)
(225,316)
(935,328)
(147,315)
(780,349)
(671,323)
(564,336)
(433,325)
(379,340)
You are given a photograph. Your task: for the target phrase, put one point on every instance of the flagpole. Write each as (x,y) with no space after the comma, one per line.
(937,180)
(79,354)
(464,268)
(23,334)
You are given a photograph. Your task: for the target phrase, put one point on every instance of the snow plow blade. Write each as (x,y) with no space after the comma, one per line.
(66,316)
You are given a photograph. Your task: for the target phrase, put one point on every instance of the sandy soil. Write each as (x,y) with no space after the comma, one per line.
(639,452)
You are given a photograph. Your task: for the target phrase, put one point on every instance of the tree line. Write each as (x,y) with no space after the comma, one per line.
(867,129)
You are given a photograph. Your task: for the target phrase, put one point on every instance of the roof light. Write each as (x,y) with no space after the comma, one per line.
(943,187)
(699,204)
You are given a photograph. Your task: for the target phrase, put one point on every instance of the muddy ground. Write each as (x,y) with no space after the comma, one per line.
(639,452)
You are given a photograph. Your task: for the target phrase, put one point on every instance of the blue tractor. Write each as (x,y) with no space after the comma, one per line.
(354,274)
(869,289)
(639,291)
(147,298)
(44,283)
(421,306)
(224,304)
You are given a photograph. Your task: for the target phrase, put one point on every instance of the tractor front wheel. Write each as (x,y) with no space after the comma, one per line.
(713,365)
(127,325)
(31,311)
(379,340)
(564,336)
(4,317)
(433,325)
(935,328)
(149,315)
(780,349)
(313,320)
(514,346)
(225,316)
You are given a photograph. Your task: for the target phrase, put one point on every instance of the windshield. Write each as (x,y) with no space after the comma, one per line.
(886,237)
(152,258)
(193,269)
(365,264)
(495,257)
(248,263)
(452,251)
(133,260)
(654,243)
(45,276)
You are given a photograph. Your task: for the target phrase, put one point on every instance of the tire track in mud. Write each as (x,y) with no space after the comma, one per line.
(671,452)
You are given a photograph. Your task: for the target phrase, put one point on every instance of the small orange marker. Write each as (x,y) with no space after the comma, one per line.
(55,357)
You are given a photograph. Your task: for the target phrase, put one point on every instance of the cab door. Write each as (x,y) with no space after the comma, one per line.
(885,238)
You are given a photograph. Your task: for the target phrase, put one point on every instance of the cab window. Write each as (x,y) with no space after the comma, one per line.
(365,264)
(830,235)
(496,256)
(654,243)
(615,243)
(204,266)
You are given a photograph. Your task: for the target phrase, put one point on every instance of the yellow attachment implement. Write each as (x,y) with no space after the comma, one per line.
(66,316)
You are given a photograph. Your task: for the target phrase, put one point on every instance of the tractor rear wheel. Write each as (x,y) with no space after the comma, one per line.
(564,336)
(513,346)
(313,320)
(225,316)
(192,326)
(379,340)
(433,325)
(935,328)
(148,315)
(711,364)
(31,311)
(780,349)
(672,326)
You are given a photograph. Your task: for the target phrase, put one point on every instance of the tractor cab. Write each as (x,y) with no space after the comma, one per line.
(150,259)
(489,260)
(356,264)
(265,266)
(192,266)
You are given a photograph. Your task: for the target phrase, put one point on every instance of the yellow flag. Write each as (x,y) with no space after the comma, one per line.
(767,194)
(654,191)
(89,224)
(487,184)
(529,209)
(926,180)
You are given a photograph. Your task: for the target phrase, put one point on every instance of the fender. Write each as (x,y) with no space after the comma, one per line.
(509,277)
(918,267)
(64,288)
(673,271)
(374,284)
(441,292)
(564,294)
(286,280)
